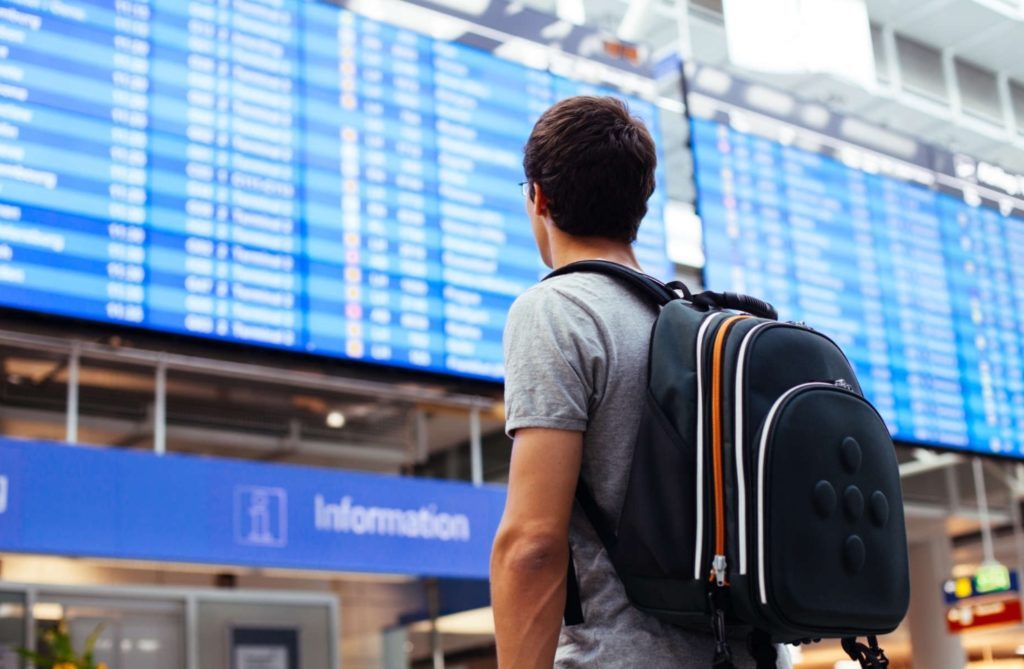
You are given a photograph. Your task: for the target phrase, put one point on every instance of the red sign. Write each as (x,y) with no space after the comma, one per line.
(972,615)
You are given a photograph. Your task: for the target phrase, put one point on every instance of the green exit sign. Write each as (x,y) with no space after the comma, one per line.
(991,578)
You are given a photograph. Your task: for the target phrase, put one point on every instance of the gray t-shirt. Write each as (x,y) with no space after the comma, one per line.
(576,351)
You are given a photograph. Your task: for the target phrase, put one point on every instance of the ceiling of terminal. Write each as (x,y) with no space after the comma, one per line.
(968,45)
(987,32)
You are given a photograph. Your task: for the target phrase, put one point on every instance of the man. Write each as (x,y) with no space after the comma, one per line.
(576,351)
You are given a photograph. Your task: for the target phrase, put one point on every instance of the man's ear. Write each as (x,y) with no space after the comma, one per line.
(539,202)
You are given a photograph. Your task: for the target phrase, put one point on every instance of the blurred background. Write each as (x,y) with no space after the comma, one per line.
(255,257)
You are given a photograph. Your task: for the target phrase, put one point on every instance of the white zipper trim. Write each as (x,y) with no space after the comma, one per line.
(768,424)
(699,506)
(741,481)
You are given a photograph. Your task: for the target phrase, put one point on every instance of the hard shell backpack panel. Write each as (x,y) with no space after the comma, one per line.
(764,490)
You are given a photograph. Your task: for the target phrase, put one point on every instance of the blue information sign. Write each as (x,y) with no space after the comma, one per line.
(93,502)
(286,174)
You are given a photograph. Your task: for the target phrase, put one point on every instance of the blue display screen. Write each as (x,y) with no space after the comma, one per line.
(285,174)
(923,291)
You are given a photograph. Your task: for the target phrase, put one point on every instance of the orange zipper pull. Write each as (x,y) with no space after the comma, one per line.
(718,569)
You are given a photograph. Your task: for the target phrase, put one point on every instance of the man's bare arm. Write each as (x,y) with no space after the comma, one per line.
(531,550)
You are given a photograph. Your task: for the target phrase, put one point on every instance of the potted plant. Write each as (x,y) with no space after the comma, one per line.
(61,653)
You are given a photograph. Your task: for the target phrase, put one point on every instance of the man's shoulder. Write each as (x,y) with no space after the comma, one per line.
(584,290)
(553,296)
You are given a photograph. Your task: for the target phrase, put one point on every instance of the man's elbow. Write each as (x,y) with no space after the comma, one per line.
(529,552)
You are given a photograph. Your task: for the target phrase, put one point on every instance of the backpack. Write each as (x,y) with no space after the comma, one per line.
(764,490)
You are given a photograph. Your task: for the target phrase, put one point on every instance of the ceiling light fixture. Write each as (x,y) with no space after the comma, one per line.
(335,419)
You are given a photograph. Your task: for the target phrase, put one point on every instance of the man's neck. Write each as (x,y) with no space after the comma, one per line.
(573,249)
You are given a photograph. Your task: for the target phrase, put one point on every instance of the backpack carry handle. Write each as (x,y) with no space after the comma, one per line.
(661,293)
(751,305)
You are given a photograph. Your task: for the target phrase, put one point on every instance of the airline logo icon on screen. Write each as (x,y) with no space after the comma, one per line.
(261,516)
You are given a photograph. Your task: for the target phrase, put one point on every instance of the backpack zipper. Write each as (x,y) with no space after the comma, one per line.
(738,440)
(705,327)
(718,565)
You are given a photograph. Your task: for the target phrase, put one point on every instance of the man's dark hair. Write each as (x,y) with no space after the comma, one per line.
(595,163)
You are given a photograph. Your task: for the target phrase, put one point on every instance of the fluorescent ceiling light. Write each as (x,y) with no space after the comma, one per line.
(672,105)
(770,100)
(523,51)
(764,35)
(48,611)
(714,81)
(815,116)
(571,10)
(793,37)
(475,621)
(11,611)
(860,132)
(556,31)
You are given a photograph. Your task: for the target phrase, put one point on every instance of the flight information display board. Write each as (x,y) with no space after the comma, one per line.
(915,272)
(280,173)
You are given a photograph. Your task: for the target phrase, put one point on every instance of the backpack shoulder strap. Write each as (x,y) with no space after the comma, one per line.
(646,286)
(573,603)
(660,294)
(654,292)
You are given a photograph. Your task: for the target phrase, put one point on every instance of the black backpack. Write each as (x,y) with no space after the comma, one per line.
(764,490)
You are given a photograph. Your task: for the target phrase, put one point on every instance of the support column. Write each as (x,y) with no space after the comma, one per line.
(394,653)
(476,449)
(422,436)
(74,370)
(931,563)
(160,409)
(434,606)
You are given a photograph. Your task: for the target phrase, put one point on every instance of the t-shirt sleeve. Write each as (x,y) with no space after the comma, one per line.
(550,345)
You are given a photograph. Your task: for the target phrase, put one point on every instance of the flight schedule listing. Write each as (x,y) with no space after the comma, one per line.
(274,172)
(921,287)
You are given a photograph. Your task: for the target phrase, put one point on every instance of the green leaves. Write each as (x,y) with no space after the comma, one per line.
(62,654)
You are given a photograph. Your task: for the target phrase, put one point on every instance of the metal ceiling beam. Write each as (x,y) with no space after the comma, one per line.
(923,511)
(244,371)
(918,466)
(259,444)
(1015,485)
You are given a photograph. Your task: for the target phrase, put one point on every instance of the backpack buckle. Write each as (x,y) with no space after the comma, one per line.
(723,654)
(870,656)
